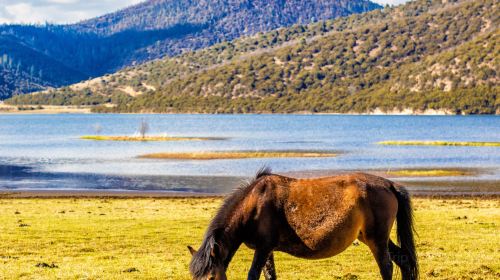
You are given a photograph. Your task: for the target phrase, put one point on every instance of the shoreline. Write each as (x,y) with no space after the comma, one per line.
(89,112)
(48,194)
(212,186)
(123,194)
(6,109)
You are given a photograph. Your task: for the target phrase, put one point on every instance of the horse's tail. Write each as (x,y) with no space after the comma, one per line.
(405,233)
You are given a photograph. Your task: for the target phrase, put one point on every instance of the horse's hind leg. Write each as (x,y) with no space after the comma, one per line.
(396,253)
(380,215)
(400,258)
(380,251)
(269,269)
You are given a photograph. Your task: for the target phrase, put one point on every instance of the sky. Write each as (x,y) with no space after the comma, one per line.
(68,11)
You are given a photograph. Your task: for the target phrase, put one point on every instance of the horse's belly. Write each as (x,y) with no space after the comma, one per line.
(327,239)
(300,250)
(336,243)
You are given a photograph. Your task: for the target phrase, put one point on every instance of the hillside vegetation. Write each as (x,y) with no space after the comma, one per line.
(35,71)
(41,56)
(422,55)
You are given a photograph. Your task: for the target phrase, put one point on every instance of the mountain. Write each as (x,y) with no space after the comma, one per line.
(38,57)
(425,55)
(15,73)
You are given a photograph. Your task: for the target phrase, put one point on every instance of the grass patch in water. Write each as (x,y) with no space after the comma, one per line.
(146,138)
(240,155)
(147,238)
(439,143)
(430,172)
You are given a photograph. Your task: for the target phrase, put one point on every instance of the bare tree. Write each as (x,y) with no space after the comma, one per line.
(143,128)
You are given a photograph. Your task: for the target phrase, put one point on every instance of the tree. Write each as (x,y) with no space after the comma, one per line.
(143,128)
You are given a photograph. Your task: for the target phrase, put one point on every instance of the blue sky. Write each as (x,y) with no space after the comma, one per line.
(67,11)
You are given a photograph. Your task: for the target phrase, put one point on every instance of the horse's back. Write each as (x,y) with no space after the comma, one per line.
(341,190)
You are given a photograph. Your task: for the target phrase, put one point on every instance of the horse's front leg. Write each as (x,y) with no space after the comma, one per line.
(259,261)
(269,269)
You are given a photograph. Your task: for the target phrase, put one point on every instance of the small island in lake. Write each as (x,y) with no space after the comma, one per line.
(147,138)
(240,155)
(439,143)
(448,172)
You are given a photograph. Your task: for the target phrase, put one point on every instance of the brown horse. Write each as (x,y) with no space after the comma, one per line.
(309,218)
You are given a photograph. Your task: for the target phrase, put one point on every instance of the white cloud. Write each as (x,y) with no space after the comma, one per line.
(57,11)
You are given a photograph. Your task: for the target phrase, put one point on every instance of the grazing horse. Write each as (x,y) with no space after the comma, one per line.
(311,219)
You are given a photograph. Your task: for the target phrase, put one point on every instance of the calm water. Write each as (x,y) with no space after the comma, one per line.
(44,151)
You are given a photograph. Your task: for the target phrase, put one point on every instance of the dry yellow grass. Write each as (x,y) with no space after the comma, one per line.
(439,143)
(239,155)
(429,172)
(147,238)
(145,139)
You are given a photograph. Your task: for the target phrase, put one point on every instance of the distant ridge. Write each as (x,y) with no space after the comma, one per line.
(425,56)
(65,54)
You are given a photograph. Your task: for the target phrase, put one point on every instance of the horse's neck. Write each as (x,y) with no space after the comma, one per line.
(231,250)
(232,239)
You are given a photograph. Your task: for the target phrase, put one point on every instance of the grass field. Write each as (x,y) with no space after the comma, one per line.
(240,155)
(147,238)
(439,143)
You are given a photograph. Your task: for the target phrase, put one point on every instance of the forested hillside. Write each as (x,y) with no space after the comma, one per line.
(58,55)
(424,55)
(24,69)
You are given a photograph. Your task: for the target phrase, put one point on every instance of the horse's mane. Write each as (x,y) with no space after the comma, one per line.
(202,261)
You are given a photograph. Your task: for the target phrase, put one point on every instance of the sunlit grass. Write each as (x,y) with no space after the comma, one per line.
(146,138)
(429,172)
(147,238)
(439,143)
(240,155)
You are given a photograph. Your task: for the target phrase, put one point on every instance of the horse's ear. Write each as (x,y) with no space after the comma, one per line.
(191,250)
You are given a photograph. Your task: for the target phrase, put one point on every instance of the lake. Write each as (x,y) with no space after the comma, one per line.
(45,152)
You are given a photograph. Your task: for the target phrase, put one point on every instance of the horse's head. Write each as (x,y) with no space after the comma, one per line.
(207,264)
